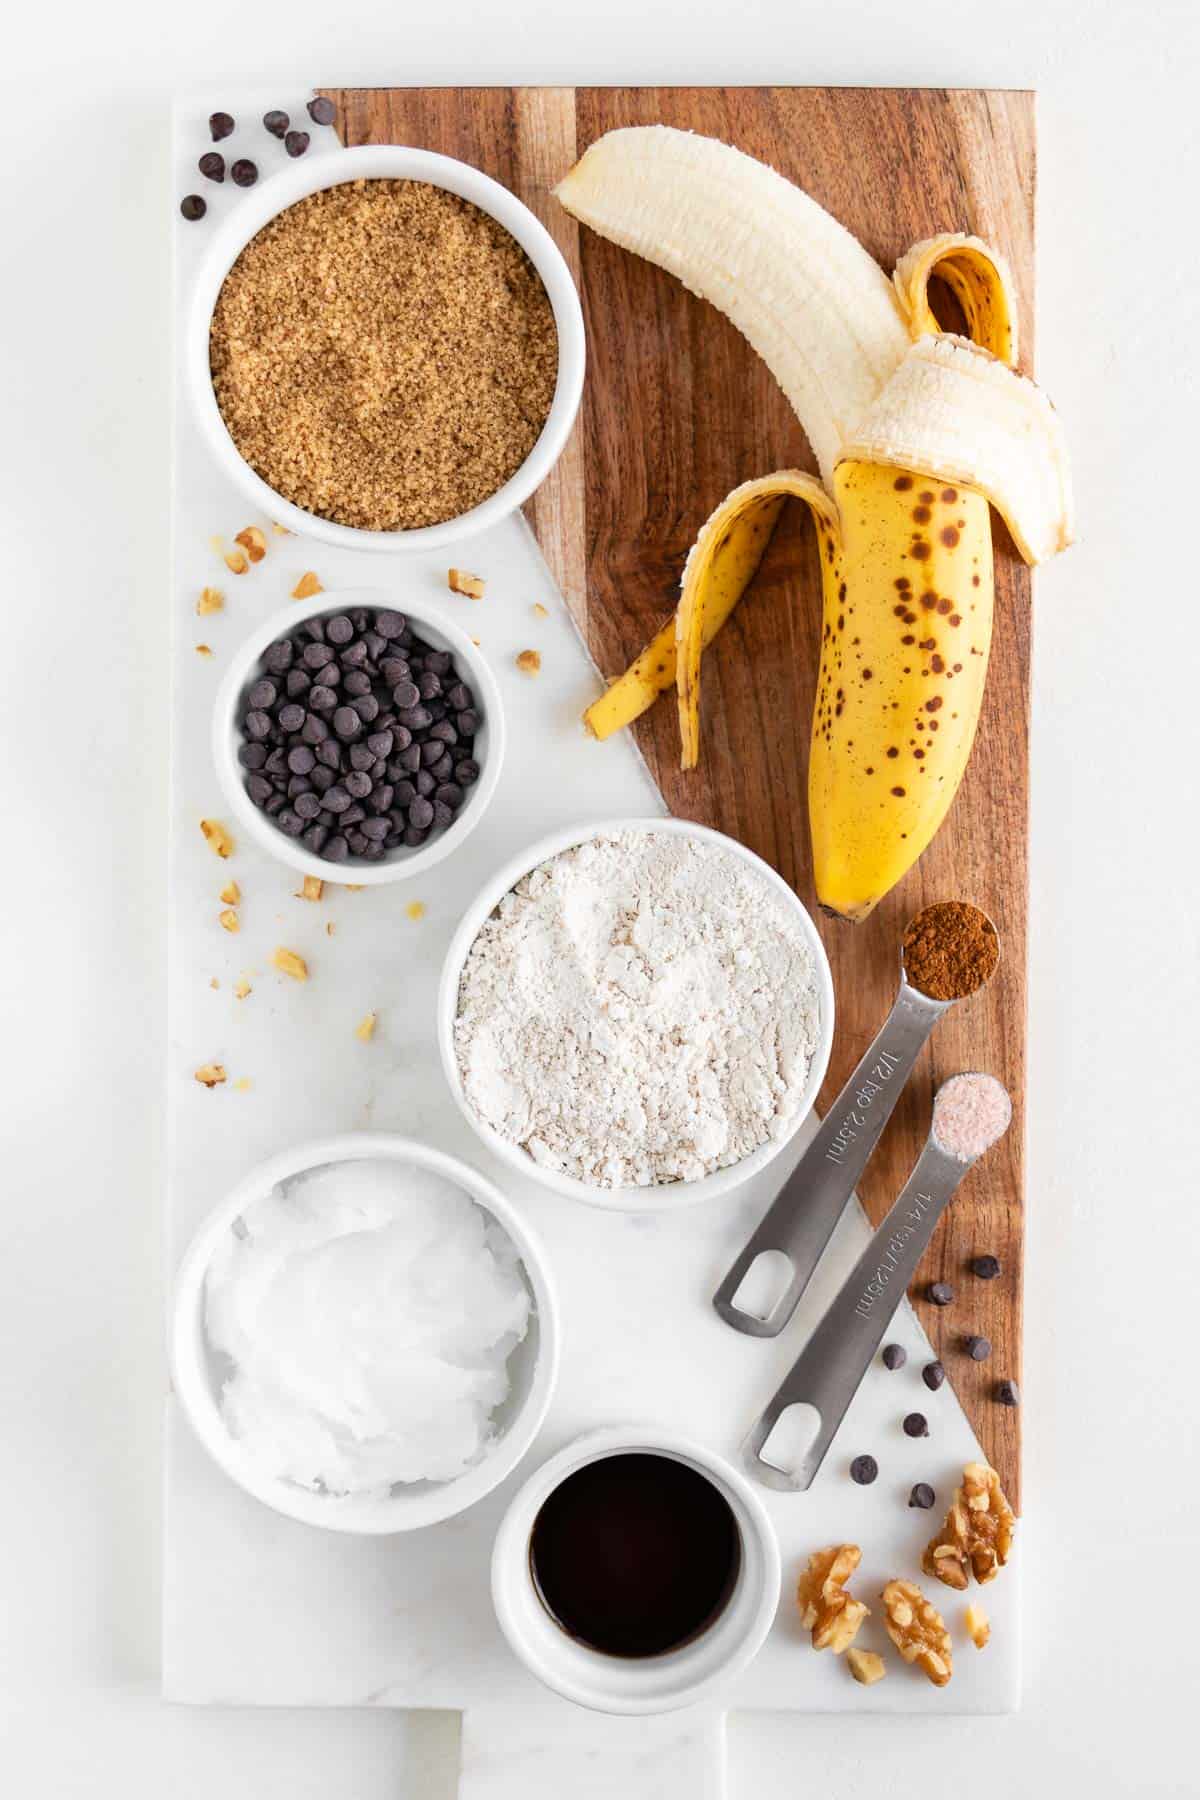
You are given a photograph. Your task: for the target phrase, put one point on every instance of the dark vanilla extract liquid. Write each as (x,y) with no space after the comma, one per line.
(635,1554)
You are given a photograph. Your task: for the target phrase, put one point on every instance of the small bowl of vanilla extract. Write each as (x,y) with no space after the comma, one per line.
(636,1572)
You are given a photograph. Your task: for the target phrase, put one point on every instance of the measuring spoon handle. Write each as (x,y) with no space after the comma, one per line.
(827,1373)
(802,1217)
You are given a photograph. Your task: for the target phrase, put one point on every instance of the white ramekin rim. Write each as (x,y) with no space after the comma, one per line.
(381,162)
(614,1684)
(369,1517)
(668,1195)
(490,743)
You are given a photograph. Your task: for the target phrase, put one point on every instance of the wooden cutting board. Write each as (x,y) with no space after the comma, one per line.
(677,410)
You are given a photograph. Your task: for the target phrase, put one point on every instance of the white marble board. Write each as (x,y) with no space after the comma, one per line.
(259,1610)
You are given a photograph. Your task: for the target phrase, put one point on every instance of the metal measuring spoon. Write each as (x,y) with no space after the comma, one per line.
(801,1219)
(827,1373)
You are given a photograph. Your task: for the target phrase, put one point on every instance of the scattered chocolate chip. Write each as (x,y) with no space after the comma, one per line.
(894,1356)
(978,1348)
(221,125)
(193,207)
(986,1267)
(864,1469)
(322,111)
(916,1425)
(296,143)
(276,123)
(212,165)
(922,1496)
(933,1376)
(1008,1393)
(244,172)
(941,1293)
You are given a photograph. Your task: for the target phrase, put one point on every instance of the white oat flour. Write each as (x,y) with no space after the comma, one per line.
(640,1009)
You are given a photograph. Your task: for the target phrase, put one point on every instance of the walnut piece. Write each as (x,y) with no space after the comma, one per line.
(241,989)
(210,1075)
(459,582)
(253,543)
(866,1666)
(307,586)
(979,1628)
(918,1630)
(540,611)
(364,1031)
(211,600)
(229,920)
(237,562)
(311,888)
(231,893)
(826,1609)
(977,1534)
(216,837)
(289,963)
(529,662)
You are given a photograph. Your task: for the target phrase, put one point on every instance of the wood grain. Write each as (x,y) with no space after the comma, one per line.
(677,411)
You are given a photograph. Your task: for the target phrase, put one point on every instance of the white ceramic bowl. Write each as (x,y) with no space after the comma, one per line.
(667,1194)
(617,1684)
(397,865)
(387,162)
(533,1366)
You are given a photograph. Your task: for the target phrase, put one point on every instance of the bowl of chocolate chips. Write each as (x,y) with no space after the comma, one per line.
(358,738)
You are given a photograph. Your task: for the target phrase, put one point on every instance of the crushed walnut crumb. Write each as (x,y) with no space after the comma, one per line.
(383,403)
(253,542)
(236,561)
(529,662)
(203,649)
(229,920)
(364,1031)
(307,586)
(978,1625)
(311,888)
(866,1666)
(415,910)
(288,962)
(211,600)
(540,611)
(216,837)
(211,1075)
(241,989)
(460,582)
(231,893)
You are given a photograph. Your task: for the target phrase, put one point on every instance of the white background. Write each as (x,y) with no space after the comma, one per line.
(1111,1539)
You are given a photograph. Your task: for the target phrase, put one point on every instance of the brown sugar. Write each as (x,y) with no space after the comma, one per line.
(384,354)
(950,950)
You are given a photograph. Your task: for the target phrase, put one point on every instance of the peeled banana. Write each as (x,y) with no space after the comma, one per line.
(915,431)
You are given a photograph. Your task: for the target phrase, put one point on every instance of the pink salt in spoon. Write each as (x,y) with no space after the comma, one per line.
(971,1112)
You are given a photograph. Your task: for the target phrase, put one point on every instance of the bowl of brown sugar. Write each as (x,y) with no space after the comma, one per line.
(385,349)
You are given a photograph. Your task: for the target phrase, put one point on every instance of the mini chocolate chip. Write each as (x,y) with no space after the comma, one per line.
(1008,1393)
(289,821)
(375,829)
(221,125)
(431,752)
(986,1267)
(444,731)
(941,1293)
(278,656)
(276,123)
(413,838)
(410,758)
(322,777)
(430,685)
(390,625)
(353,815)
(244,172)
(460,697)
(416,718)
(420,814)
(330,753)
(466,772)
(339,629)
(426,783)
(193,207)
(394,670)
(439,661)
(406,695)
(212,165)
(442,816)
(922,1496)
(978,1348)
(322,111)
(252,756)
(358,783)
(297,683)
(864,1469)
(257,725)
(362,757)
(916,1425)
(314,730)
(316,655)
(367,708)
(315,838)
(291,715)
(300,760)
(296,143)
(258,788)
(451,795)
(357,842)
(263,695)
(337,849)
(894,1356)
(276,763)
(356,682)
(346,723)
(308,805)
(467,722)
(337,800)
(275,804)
(322,699)
(933,1376)
(381,743)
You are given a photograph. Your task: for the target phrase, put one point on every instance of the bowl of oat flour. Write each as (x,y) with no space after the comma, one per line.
(637,1013)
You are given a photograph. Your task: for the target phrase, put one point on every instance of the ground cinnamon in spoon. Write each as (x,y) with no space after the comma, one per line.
(950,950)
